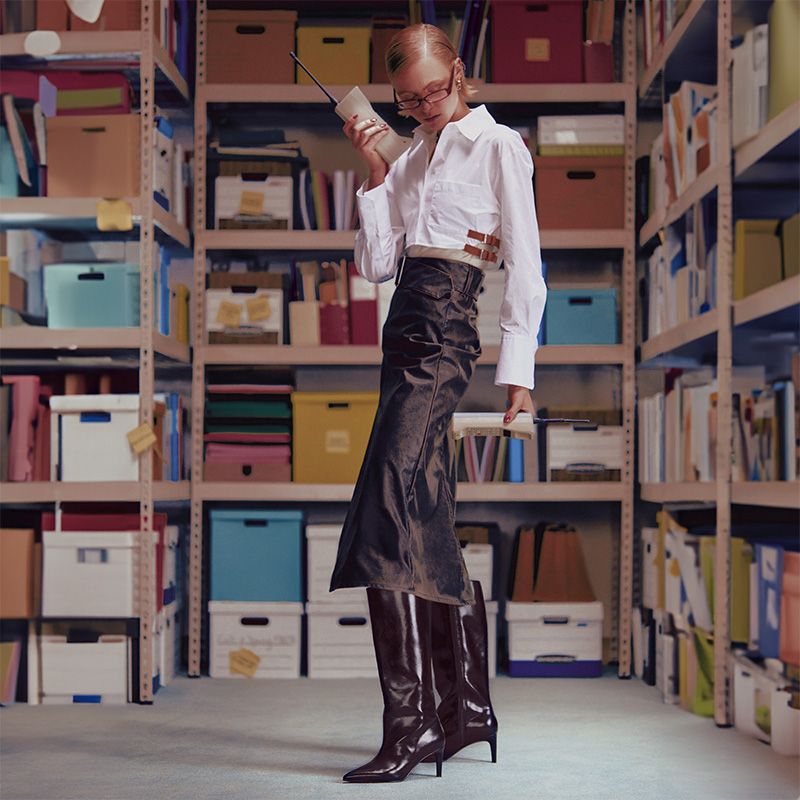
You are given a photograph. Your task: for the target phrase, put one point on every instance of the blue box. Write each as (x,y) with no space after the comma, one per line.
(256,555)
(92,295)
(581,316)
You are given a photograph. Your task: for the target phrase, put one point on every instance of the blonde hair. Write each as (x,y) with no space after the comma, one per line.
(419,41)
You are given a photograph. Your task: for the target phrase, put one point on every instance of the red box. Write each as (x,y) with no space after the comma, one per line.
(579,191)
(249,473)
(537,42)
(117,15)
(598,62)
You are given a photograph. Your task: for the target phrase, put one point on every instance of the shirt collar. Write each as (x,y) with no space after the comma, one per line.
(471,125)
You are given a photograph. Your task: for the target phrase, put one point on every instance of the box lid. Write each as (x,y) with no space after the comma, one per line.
(94,402)
(572,611)
(91,539)
(578,292)
(317,531)
(235,608)
(347,609)
(277,515)
(254,16)
(315,398)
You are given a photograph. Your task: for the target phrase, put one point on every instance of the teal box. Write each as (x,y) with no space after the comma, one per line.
(92,295)
(256,555)
(581,316)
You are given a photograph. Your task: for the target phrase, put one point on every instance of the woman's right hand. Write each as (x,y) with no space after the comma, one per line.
(365,135)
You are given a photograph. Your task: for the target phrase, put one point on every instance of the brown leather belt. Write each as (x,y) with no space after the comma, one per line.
(486,238)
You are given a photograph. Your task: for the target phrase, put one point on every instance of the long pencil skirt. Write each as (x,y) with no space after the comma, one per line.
(399,532)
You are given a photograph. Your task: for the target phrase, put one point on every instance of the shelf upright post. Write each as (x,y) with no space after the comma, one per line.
(622,623)
(145,577)
(198,362)
(724,432)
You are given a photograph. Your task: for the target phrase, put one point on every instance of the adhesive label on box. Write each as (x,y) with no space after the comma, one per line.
(337,442)
(251,204)
(243,662)
(537,49)
(229,314)
(258,308)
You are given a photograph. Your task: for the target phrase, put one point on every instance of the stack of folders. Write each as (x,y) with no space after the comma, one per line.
(750,76)
(248,432)
(680,275)
(659,18)
(333,303)
(581,135)
(687,139)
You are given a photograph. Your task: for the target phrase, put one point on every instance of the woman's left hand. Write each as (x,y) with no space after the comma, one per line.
(519,399)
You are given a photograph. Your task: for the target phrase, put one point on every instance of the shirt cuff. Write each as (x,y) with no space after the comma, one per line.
(515,363)
(373,205)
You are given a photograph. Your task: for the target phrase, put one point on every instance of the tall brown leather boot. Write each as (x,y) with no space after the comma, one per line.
(461,673)
(401,633)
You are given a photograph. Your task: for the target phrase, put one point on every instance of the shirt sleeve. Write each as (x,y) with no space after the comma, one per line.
(524,293)
(380,239)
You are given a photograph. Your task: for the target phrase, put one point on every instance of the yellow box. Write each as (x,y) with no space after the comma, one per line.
(790,246)
(757,259)
(13,288)
(330,431)
(334,54)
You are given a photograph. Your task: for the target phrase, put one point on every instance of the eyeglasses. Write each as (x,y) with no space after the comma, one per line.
(433,97)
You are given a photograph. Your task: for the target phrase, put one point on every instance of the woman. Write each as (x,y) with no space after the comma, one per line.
(457,202)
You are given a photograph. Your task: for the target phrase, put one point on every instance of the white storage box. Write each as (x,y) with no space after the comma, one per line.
(89,574)
(562,640)
(84,672)
(229,310)
(753,688)
(89,437)
(259,201)
(323,543)
(785,720)
(170,647)
(577,451)
(479,559)
(170,573)
(340,641)
(266,635)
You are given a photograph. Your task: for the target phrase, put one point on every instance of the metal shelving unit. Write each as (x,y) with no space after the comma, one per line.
(621,356)
(146,62)
(712,333)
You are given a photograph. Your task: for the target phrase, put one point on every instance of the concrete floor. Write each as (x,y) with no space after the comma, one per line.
(558,739)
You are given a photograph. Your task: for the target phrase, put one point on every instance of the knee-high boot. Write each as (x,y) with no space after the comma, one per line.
(461,674)
(401,634)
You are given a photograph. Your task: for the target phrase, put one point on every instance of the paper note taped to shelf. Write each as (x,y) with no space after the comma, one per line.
(42,43)
(243,662)
(141,438)
(251,204)
(114,215)
(229,314)
(258,309)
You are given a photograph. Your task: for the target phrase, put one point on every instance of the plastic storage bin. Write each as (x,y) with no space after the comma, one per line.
(92,295)
(335,54)
(579,192)
(581,316)
(84,672)
(330,431)
(256,556)
(555,640)
(537,42)
(250,46)
(322,543)
(268,633)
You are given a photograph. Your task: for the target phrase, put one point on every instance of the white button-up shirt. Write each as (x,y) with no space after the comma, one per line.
(480,178)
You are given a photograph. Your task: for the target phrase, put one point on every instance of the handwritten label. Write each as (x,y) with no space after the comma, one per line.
(229,314)
(243,662)
(114,215)
(142,438)
(251,204)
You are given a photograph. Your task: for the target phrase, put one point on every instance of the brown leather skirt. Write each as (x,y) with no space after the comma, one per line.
(399,532)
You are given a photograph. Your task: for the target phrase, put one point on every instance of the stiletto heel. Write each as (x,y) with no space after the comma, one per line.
(439,758)
(493,746)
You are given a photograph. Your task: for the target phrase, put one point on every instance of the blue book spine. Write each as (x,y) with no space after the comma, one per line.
(163,289)
(174,462)
(516,468)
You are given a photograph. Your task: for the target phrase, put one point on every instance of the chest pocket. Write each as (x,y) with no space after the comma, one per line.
(457,207)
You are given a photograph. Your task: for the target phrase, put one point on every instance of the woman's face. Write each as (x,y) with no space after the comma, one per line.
(423,77)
